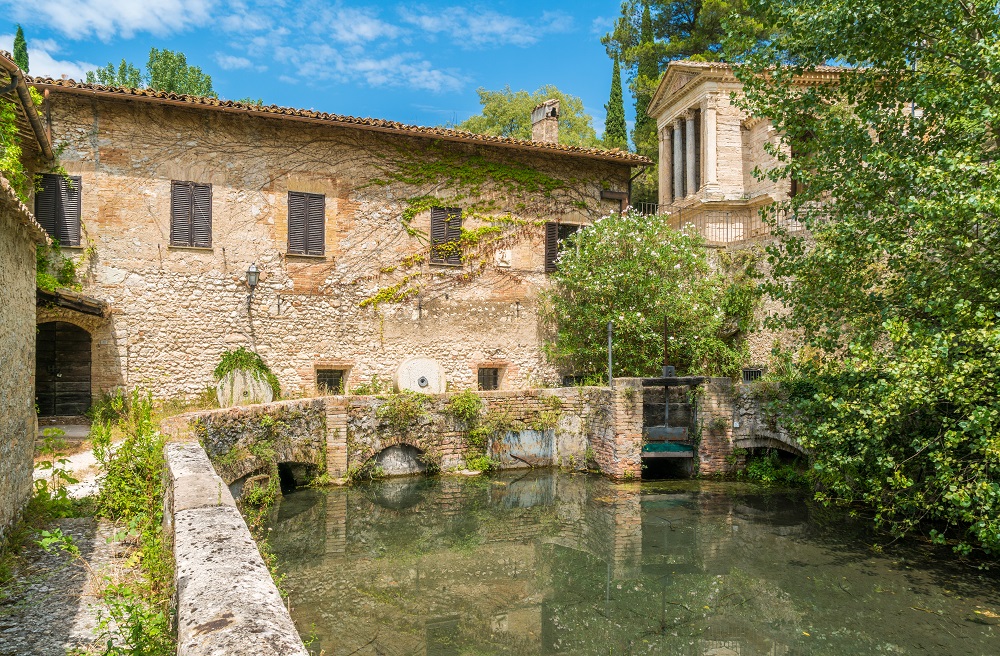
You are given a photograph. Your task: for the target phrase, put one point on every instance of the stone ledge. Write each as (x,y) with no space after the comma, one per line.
(227,602)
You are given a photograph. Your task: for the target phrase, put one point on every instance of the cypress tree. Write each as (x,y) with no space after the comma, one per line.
(20,50)
(644,134)
(615,132)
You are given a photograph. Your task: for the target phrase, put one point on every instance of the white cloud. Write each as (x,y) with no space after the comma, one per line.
(602,25)
(232,62)
(356,26)
(42,61)
(475,28)
(105,19)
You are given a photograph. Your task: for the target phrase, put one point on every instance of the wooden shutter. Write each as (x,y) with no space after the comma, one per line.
(551,246)
(296,223)
(181,200)
(315,224)
(453,236)
(47,204)
(69,218)
(439,233)
(201,215)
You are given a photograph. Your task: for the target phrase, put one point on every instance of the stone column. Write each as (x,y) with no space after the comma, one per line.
(678,162)
(689,162)
(664,177)
(710,139)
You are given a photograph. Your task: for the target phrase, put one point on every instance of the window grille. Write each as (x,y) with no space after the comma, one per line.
(489,378)
(330,381)
(752,374)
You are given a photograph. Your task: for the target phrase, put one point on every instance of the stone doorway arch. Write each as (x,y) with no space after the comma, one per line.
(62,370)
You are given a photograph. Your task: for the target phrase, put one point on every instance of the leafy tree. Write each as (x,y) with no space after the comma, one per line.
(166,70)
(635,271)
(20,50)
(615,132)
(896,291)
(507,113)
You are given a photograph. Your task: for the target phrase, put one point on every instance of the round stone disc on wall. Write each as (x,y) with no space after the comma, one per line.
(241,387)
(420,374)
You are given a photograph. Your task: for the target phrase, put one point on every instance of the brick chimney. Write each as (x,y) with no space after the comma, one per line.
(545,122)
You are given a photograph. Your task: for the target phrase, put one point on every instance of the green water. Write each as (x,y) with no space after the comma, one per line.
(548,563)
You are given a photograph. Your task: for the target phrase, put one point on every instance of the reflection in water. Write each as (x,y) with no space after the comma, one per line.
(547,563)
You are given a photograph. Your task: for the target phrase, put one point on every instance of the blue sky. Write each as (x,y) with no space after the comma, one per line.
(415,62)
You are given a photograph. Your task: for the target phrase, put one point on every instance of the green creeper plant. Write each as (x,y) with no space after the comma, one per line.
(243,359)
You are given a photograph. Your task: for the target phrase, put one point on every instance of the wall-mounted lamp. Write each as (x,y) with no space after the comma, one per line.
(253,277)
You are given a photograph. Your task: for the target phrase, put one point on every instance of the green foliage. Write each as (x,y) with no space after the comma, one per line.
(249,100)
(51,491)
(53,270)
(768,469)
(636,271)
(166,70)
(243,359)
(897,293)
(465,406)
(402,411)
(10,150)
(507,113)
(373,387)
(481,462)
(365,472)
(615,131)
(136,614)
(20,50)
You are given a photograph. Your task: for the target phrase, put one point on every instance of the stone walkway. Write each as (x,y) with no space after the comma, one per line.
(51,606)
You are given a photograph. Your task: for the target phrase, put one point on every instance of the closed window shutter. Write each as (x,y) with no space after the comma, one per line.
(69,219)
(439,232)
(296,223)
(551,246)
(454,236)
(181,200)
(201,216)
(315,237)
(47,204)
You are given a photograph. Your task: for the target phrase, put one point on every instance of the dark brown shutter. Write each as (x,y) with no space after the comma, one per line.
(439,233)
(47,204)
(453,236)
(551,246)
(69,224)
(315,224)
(201,216)
(181,199)
(296,223)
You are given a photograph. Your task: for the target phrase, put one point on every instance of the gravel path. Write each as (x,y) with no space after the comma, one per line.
(51,606)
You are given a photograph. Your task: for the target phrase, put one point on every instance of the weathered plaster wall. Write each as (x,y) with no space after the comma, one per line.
(17,354)
(175,310)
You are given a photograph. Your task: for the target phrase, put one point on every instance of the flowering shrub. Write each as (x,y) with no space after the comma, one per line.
(638,272)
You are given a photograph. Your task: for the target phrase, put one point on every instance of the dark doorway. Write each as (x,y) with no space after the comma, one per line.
(62,370)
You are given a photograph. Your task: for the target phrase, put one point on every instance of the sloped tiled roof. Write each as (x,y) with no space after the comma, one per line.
(375,124)
(10,202)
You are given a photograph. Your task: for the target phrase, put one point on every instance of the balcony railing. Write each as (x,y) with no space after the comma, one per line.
(721,228)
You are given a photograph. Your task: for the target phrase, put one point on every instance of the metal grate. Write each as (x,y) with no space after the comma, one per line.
(489,378)
(330,381)
(750,374)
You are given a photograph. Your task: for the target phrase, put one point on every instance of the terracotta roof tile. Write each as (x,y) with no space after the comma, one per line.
(275,111)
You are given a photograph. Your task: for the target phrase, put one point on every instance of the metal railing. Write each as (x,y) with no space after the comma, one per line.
(722,228)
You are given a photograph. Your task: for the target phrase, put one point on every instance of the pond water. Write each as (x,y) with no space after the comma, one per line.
(550,563)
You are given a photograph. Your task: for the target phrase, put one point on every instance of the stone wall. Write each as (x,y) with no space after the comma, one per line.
(175,310)
(577,427)
(18,235)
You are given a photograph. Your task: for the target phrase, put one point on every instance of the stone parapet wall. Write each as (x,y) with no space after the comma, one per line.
(342,433)
(227,602)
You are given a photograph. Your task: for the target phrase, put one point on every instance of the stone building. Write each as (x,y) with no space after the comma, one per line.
(376,241)
(19,234)
(709,149)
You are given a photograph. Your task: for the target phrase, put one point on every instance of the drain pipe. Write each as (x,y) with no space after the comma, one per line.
(20,85)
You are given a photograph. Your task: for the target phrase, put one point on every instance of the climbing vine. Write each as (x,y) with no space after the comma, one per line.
(495,198)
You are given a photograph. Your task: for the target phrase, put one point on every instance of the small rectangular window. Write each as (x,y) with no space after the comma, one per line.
(330,381)
(306,223)
(190,214)
(555,233)
(752,374)
(489,378)
(58,203)
(446,234)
